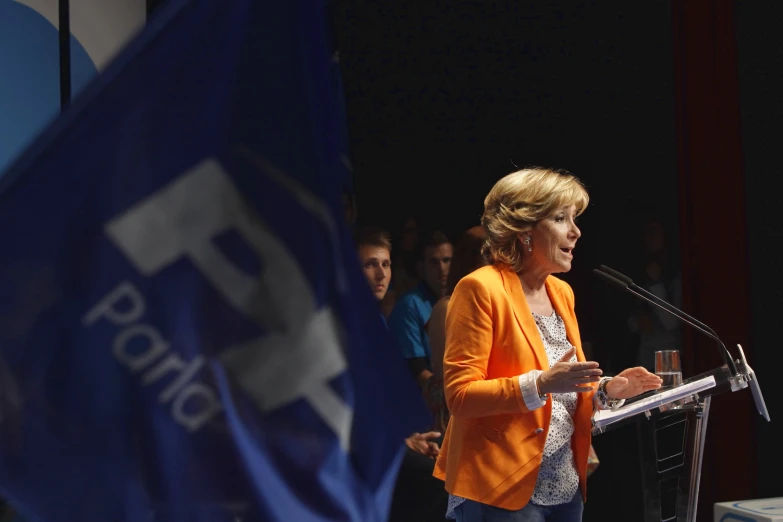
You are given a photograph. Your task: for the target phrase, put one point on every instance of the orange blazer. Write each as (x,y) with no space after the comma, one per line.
(494,444)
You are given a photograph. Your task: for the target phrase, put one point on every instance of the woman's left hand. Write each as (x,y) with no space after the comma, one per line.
(631,382)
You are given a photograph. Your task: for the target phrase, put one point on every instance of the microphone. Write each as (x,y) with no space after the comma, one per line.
(626,284)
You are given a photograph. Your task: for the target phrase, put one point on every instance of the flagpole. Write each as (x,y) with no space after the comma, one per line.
(65,52)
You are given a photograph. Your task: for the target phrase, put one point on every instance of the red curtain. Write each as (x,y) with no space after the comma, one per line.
(713,238)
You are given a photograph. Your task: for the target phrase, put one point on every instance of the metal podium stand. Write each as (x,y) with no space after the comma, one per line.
(671,444)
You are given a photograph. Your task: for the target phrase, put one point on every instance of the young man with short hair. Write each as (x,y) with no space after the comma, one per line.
(408,320)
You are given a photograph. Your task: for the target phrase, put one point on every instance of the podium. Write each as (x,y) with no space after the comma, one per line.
(671,428)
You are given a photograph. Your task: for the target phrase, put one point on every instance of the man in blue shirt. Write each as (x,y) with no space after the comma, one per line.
(408,320)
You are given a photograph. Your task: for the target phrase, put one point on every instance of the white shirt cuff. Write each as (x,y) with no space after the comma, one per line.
(527,385)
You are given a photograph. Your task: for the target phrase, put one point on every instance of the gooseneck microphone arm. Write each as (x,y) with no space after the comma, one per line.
(625,283)
(650,295)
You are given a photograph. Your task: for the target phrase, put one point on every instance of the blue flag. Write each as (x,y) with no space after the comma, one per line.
(184,331)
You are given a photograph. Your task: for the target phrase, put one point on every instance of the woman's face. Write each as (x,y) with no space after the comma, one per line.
(553,240)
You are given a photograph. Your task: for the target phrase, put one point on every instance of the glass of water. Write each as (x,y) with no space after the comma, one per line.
(669,369)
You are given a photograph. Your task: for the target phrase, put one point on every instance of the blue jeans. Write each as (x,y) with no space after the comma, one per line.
(471,511)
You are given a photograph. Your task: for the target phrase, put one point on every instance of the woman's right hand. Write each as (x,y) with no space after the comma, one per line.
(568,377)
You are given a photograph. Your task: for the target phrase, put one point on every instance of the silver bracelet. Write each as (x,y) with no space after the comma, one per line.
(603,396)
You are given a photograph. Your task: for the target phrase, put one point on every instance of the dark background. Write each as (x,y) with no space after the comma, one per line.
(760,64)
(666,108)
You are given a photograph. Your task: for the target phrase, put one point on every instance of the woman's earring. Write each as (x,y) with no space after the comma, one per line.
(527,242)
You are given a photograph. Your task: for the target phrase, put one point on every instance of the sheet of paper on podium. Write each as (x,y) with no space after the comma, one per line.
(603,418)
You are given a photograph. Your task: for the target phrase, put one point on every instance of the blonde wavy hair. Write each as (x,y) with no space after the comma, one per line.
(518,201)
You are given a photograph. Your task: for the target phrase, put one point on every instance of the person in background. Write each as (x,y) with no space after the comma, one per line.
(519,390)
(467,258)
(417,494)
(406,275)
(657,330)
(374,249)
(408,320)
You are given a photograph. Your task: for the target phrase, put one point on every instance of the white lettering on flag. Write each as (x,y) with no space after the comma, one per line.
(301,350)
